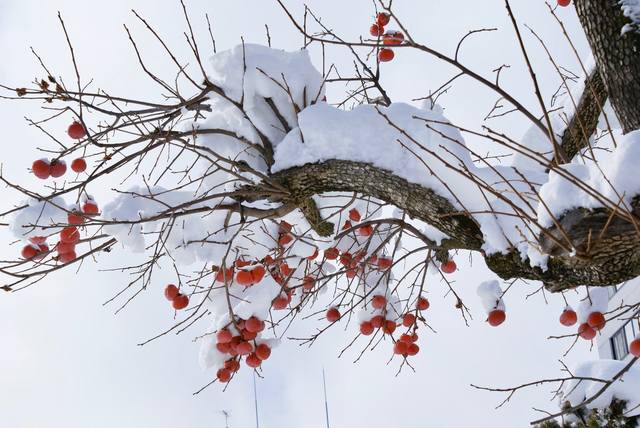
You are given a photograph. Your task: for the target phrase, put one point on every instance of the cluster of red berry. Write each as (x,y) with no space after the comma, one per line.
(44,168)
(240,345)
(178,300)
(389,38)
(405,345)
(587,330)
(355,263)
(37,247)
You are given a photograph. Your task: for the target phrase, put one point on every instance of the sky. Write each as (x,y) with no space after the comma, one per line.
(67,361)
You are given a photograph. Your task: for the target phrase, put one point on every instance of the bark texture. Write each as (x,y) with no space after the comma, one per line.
(608,248)
(617,56)
(585,121)
(598,247)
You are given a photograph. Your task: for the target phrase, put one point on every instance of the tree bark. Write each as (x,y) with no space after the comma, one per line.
(617,56)
(604,246)
(585,120)
(608,248)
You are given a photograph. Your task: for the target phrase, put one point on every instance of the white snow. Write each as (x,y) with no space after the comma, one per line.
(23,223)
(631,9)
(625,388)
(490,295)
(250,74)
(607,177)
(596,301)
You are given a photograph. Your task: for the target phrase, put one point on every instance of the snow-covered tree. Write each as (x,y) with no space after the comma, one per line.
(271,202)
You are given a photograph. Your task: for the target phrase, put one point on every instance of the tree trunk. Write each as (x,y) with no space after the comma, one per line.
(617,56)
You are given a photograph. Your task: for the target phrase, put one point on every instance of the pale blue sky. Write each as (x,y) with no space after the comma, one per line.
(66,361)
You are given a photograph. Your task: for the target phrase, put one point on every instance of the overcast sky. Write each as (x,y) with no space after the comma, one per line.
(67,361)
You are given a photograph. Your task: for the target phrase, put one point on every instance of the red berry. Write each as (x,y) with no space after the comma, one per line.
(286,270)
(244,277)
(400,348)
(285,239)
(564,3)
(366,230)
(57,168)
(253,324)
(285,227)
(422,304)
(388,327)
(223,348)
(78,165)
(634,348)
(241,263)
(393,38)
(65,247)
(75,218)
(224,336)
(333,315)
(331,253)
(170,291)
(308,282)
(224,375)
(232,365)
(263,351)
(181,301)
(346,259)
(354,215)
(280,302)
(496,317)
(375,30)
(448,267)
(257,273)
(366,328)
(235,340)
(596,320)
(385,55)
(253,361)
(412,349)
(231,346)
(586,332)
(38,240)
(244,348)
(223,274)
(29,251)
(70,235)
(568,318)
(42,250)
(383,19)
(408,320)
(384,263)
(67,257)
(377,321)
(406,338)
(249,335)
(378,301)
(76,130)
(90,207)
(41,169)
